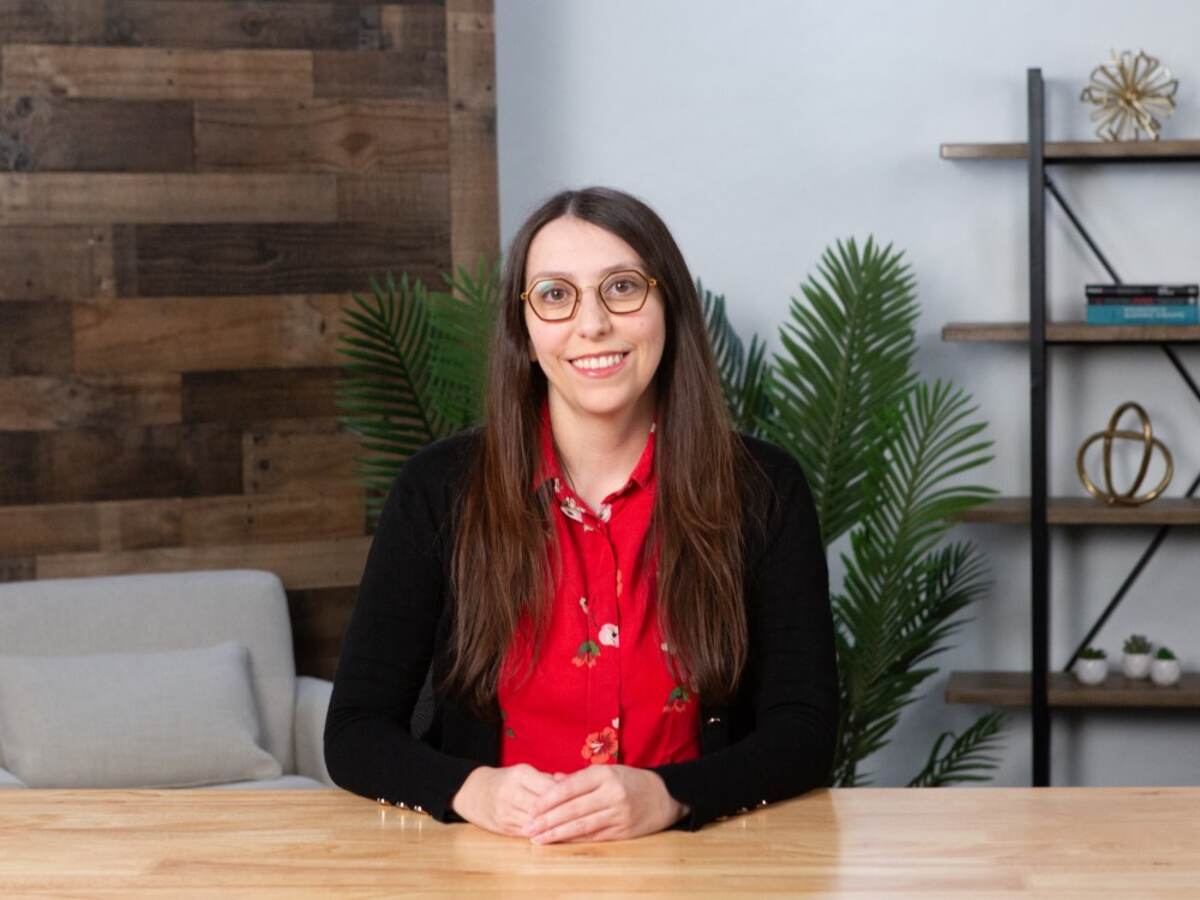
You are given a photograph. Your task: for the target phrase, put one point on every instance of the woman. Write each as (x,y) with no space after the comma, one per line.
(621,602)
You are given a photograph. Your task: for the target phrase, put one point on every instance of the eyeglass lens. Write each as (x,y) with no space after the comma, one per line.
(621,292)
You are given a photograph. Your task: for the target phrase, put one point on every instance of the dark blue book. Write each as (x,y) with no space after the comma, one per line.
(1179,314)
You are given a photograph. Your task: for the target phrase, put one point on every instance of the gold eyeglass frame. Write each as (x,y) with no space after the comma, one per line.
(651,282)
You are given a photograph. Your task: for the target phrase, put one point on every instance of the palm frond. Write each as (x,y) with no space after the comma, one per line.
(967,758)
(463,317)
(846,359)
(387,396)
(743,375)
(900,596)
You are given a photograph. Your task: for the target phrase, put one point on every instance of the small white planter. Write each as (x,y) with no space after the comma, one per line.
(1136,665)
(1164,672)
(1091,671)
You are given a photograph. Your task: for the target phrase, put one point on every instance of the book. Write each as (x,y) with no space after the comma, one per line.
(1142,300)
(1178,314)
(1142,290)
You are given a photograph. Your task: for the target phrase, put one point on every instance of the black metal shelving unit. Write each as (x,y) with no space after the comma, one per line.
(1044,690)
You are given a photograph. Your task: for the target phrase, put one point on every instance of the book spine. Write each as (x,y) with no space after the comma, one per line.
(1143,315)
(1141,300)
(1137,290)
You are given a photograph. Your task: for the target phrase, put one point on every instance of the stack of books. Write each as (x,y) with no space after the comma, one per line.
(1142,304)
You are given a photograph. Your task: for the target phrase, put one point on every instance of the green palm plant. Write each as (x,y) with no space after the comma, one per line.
(876,445)
(415,361)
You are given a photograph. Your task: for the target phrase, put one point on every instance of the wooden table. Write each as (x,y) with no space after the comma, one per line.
(982,842)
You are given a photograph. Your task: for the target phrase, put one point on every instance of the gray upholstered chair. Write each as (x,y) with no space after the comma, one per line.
(181,679)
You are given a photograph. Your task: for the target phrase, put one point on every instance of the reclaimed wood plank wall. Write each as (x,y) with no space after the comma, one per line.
(190,190)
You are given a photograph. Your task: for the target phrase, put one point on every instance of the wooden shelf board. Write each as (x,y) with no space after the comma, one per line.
(1081,151)
(1071,333)
(1012,689)
(1088,511)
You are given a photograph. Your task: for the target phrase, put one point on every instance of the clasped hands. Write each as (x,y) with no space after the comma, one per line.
(598,803)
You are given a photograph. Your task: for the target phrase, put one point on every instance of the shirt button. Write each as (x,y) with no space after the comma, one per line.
(714,720)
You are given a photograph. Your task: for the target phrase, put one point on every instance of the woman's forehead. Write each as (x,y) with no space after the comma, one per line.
(572,248)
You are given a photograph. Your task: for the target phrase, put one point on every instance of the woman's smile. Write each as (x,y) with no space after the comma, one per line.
(600,365)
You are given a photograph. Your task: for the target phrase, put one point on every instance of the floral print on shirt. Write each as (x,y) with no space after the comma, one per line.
(600,747)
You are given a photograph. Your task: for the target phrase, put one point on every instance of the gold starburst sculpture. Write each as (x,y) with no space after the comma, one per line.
(1128,94)
(1149,444)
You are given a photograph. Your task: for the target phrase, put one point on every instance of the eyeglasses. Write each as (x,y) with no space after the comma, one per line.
(557,299)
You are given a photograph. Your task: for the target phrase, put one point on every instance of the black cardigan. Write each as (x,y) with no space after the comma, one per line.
(774,741)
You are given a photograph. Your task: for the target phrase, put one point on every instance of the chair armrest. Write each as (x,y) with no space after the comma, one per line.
(9,780)
(312,703)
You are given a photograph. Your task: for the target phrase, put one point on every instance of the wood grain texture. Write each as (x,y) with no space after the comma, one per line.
(1071,333)
(415,73)
(299,564)
(155,73)
(1080,151)
(191,190)
(197,334)
(904,844)
(45,529)
(35,338)
(53,134)
(18,568)
(351,136)
(76,198)
(311,515)
(200,260)
(1088,511)
(379,198)
(298,456)
(249,396)
(319,618)
(247,24)
(470,40)
(46,403)
(1065,690)
(52,262)
(52,22)
(129,463)
(415,25)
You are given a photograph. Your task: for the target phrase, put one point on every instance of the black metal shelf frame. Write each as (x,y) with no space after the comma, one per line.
(1039,185)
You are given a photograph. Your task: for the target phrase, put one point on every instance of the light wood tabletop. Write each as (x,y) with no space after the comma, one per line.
(979,842)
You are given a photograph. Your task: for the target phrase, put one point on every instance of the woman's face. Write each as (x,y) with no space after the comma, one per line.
(584,254)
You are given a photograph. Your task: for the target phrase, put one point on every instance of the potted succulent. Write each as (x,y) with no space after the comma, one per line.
(1164,671)
(1092,666)
(1135,662)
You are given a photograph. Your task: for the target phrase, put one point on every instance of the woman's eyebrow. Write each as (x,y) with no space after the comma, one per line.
(617,268)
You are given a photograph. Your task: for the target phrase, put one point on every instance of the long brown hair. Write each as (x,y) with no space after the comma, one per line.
(503,567)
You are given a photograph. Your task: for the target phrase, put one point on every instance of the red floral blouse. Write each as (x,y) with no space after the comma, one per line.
(601,690)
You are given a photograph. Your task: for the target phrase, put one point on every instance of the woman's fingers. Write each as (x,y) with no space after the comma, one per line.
(574,809)
(582,827)
(574,785)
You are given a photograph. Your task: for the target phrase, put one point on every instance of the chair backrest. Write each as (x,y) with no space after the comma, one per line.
(130,613)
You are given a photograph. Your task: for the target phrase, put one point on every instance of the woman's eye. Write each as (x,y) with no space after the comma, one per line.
(623,286)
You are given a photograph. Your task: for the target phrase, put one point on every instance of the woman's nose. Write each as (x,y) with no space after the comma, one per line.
(593,317)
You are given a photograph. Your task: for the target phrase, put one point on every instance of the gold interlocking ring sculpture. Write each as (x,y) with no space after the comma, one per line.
(1149,442)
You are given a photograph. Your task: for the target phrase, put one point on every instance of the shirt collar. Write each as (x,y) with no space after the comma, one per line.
(548,467)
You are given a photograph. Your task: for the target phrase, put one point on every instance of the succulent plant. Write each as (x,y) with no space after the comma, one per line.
(1137,643)
(1164,653)
(1093,653)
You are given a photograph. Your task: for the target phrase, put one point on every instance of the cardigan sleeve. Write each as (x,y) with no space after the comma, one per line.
(792,672)
(386,654)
